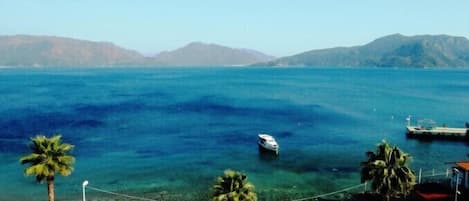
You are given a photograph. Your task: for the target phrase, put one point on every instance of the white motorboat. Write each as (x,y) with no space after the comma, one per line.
(268,143)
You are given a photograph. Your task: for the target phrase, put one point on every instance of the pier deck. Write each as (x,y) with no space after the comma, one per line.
(437,131)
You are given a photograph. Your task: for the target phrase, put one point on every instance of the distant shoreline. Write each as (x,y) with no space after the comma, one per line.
(228,66)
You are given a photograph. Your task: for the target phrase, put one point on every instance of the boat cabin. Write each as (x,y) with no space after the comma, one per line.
(268,143)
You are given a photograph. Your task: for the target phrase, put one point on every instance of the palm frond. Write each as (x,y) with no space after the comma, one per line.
(233,186)
(49,156)
(388,172)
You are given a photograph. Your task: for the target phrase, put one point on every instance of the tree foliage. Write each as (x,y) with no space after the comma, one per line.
(233,186)
(49,156)
(388,171)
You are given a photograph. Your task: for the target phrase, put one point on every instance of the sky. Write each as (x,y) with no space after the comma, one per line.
(275,27)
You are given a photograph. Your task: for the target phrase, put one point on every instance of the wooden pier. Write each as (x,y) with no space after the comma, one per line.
(423,130)
(437,131)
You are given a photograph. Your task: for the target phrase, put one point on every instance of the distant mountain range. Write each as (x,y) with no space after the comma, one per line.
(202,54)
(389,51)
(24,50)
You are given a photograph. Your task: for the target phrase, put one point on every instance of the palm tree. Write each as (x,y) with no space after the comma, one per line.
(49,156)
(233,186)
(387,169)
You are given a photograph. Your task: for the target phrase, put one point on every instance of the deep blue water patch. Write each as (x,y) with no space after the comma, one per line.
(106,109)
(24,125)
(283,111)
(87,123)
(235,138)
(284,134)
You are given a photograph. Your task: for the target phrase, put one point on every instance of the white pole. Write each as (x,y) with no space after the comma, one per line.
(420,175)
(84,186)
(447,172)
(457,183)
(364,191)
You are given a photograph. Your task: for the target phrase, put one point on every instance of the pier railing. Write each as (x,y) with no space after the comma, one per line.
(433,176)
(422,177)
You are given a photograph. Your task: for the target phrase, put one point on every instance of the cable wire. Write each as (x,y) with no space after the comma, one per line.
(331,193)
(120,194)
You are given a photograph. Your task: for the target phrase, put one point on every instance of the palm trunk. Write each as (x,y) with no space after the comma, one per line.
(50,187)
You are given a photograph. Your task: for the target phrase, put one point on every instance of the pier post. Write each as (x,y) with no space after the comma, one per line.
(84,186)
(420,175)
(457,183)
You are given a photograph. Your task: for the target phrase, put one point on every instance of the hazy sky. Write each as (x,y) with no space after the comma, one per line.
(275,27)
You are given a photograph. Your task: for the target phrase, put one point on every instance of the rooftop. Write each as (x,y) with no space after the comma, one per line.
(463,164)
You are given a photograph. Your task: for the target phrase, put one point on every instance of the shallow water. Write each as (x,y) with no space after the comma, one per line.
(143,131)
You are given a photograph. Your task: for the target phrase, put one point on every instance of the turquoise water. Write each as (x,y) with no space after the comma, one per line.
(144,131)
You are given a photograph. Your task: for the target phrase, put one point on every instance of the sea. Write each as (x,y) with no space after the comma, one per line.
(167,133)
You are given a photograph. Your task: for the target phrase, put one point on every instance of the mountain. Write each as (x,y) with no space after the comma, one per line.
(390,51)
(202,54)
(23,50)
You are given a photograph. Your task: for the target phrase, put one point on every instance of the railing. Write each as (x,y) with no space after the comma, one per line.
(433,176)
(119,194)
(428,176)
(331,193)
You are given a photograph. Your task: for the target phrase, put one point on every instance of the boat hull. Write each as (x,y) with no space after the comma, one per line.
(263,149)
